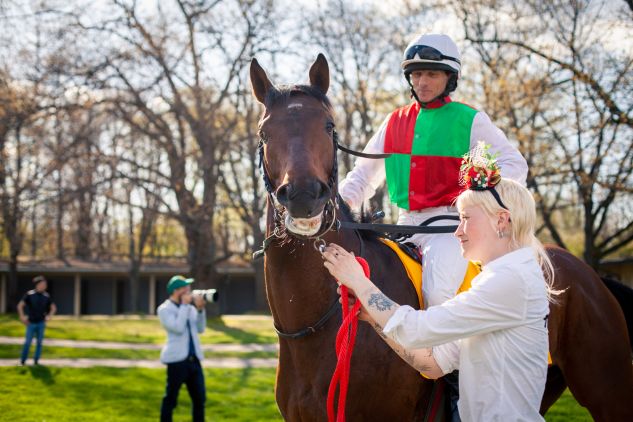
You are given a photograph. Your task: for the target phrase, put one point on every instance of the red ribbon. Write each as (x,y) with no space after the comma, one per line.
(345,339)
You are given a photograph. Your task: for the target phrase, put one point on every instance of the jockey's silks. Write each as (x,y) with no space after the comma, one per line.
(427,146)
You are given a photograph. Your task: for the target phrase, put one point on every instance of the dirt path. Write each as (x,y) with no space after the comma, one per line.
(143,363)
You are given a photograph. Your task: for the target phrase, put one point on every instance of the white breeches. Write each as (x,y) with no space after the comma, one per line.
(443,266)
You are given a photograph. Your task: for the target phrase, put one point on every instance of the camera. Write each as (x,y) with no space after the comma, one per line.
(209,295)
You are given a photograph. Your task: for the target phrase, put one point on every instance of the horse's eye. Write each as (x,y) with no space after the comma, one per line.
(329,126)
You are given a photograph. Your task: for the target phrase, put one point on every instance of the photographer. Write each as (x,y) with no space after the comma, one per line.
(183,316)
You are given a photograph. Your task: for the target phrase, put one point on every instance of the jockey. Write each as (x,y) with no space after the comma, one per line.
(428,139)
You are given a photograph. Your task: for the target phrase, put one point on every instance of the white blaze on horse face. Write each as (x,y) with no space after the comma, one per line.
(294,105)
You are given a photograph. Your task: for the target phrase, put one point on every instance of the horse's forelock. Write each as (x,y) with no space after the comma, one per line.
(282,93)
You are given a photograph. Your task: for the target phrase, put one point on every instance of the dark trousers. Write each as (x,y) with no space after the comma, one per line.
(452,394)
(189,372)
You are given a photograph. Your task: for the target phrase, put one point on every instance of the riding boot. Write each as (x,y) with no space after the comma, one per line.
(452,395)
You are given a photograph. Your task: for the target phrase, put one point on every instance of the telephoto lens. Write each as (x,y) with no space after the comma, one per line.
(209,295)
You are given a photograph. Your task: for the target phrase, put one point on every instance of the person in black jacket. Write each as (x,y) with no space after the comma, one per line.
(39,309)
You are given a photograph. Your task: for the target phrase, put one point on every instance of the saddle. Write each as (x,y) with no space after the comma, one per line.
(412,262)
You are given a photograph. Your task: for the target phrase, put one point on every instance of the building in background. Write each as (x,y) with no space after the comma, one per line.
(88,288)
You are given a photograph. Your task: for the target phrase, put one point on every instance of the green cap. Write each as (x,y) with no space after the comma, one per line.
(177,282)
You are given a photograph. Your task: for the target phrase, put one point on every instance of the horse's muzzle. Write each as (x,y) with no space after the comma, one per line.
(305,200)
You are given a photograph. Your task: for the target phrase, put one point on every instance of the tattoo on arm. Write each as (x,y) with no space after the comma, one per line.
(380,302)
(407,356)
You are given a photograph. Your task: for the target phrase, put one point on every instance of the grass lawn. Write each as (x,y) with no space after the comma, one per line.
(566,409)
(111,394)
(147,329)
(108,394)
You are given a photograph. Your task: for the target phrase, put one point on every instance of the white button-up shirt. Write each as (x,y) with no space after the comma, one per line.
(495,334)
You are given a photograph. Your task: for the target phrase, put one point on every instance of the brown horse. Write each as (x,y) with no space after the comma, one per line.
(588,337)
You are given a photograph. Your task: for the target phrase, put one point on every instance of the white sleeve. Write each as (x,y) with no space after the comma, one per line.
(368,174)
(447,356)
(497,301)
(513,165)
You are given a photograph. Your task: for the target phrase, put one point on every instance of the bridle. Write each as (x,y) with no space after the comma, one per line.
(330,222)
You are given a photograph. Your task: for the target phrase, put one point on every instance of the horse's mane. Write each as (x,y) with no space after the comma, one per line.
(282,93)
(348,215)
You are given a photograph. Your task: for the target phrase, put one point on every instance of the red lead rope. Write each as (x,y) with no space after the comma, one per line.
(345,339)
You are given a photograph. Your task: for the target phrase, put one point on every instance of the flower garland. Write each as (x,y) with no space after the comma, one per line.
(479,169)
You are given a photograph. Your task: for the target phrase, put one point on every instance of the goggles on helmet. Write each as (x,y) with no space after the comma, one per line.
(425,52)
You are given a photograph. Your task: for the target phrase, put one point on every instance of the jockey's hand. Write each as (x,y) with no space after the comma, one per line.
(344,267)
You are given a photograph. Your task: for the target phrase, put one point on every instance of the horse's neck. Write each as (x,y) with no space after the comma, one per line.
(300,290)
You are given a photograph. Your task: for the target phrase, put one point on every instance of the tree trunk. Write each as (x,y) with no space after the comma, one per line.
(135,278)
(84,226)
(12,285)
(589,254)
(201,257)
(59,225)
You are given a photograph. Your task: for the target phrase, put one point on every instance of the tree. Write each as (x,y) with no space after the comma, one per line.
(17,174)
(567,99)
(175,75)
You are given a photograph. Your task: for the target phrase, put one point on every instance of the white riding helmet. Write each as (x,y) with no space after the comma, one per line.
(431,51)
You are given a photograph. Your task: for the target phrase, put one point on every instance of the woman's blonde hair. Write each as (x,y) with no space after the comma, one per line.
(522,210)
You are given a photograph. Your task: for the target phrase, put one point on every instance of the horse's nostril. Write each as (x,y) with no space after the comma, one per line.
(282,193)
(323,190)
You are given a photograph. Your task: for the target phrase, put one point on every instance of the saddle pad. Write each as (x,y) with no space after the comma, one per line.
(414,271)
(412,267)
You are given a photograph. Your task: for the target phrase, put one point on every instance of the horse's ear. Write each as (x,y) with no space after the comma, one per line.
(259,80)
(320,74)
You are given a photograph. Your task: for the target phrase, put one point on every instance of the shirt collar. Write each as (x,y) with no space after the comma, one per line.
(515,257)
(437,103)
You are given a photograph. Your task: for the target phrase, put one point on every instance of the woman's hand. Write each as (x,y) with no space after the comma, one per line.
(363,315)
(344,267)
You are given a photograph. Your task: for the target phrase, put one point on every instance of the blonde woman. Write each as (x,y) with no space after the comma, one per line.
(496,332)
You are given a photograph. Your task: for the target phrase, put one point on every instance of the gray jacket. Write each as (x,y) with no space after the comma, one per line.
(174,319)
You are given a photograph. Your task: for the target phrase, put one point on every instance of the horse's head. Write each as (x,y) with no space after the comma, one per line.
(298,146)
